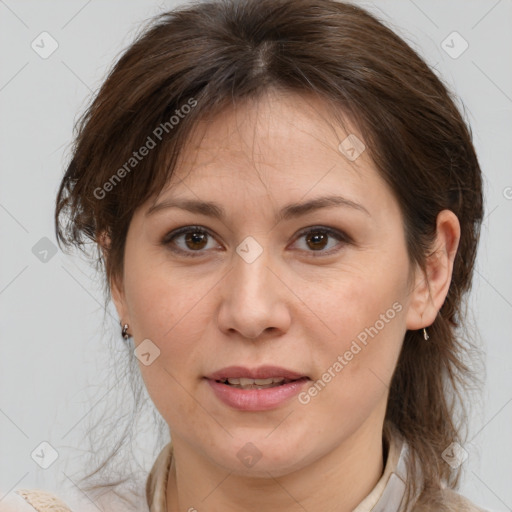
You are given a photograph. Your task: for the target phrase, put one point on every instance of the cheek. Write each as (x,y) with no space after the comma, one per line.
(366,321)
(173,316)
(160,296)
(165,308)
(170,313)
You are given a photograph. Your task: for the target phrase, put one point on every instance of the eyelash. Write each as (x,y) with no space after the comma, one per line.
(338,235)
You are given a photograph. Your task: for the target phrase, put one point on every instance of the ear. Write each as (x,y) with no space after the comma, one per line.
(430,288)
(116,286)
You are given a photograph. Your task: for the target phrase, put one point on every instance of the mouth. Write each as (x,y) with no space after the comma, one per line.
(261,389)
(257,378)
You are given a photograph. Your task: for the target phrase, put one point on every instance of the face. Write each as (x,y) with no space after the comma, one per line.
(323,292)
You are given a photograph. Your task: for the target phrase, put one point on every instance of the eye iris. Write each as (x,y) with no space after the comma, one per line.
(317,238)
(193,237)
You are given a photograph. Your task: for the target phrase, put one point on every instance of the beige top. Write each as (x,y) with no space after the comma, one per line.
(386,496)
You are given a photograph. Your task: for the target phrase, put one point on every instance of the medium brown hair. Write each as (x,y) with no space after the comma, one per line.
(219,53)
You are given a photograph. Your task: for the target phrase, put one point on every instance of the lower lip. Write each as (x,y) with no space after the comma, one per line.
(256,399)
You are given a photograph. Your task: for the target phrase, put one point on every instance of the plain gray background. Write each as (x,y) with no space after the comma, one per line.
(53,349)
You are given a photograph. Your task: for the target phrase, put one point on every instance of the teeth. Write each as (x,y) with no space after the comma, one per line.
(245,383)
(263,382)
(260,382)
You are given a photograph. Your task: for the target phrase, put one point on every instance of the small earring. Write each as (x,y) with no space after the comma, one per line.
(124,332)
(425,334)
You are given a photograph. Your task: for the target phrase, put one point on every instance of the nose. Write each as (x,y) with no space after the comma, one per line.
(254,300)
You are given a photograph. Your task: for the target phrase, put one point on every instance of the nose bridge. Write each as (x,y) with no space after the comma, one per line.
(252,301)
(251,277)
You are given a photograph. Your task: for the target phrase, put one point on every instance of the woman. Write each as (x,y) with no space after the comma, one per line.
(287,204)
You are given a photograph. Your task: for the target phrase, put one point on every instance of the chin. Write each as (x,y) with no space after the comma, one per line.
(262,456)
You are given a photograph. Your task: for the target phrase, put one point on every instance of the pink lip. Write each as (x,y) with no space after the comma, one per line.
(256,399)
(263,372)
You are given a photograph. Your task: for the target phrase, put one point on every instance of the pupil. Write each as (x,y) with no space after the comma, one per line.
(318,238)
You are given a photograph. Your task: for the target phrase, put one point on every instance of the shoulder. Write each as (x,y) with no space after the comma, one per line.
(30,500)
(445,500)
(26,500)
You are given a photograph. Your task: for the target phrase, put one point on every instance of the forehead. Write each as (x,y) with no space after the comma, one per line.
(279,139)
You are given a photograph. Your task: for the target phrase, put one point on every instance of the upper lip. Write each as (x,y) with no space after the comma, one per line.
(262,372)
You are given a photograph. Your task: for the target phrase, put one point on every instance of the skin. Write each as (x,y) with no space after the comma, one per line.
(294,306)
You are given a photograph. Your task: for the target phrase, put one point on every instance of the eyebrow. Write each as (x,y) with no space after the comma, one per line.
(290,211)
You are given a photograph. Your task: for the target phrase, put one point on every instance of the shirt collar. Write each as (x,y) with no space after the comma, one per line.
(388,493)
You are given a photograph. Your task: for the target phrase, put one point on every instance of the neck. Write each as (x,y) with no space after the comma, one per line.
(339,480)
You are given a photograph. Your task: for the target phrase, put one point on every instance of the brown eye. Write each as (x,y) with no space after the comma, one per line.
(188,240)
(318,238)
